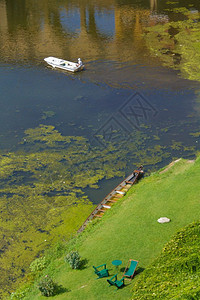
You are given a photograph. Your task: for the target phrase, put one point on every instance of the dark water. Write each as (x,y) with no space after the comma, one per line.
(124,88)
(107,35)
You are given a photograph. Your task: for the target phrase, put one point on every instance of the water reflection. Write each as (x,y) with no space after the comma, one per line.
(153,4)
(109,31)
(32,30)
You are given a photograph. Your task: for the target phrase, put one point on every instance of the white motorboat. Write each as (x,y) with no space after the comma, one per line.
(64,64)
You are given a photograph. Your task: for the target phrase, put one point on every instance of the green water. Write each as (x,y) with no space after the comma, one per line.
(62,136)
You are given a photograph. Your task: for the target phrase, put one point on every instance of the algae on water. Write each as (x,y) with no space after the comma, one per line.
(42,197)
(177,43)
(48,114)
(42,188)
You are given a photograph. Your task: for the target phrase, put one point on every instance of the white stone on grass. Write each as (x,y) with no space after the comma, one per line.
(163,220)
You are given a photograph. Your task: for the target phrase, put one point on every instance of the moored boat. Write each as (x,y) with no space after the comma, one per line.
(118,192)
(65,64)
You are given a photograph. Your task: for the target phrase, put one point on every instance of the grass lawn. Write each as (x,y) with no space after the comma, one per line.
(130,230)
(175,273)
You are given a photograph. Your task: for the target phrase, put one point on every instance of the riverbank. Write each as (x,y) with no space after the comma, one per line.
(129,230)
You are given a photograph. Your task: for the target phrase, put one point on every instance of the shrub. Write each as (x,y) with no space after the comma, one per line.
(38,264)
(73,258)
(46,286)
(56,251)
(20,293)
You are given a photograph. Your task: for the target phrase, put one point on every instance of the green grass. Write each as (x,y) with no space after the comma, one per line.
(130,230)
(175,273)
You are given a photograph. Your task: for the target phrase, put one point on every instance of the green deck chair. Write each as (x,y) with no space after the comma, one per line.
(130,269)
(114,281)
(101,273)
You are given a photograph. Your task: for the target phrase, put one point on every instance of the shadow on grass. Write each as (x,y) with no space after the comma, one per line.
(60,290)
(128,281)
(139,270)
(83,264)
(122,287)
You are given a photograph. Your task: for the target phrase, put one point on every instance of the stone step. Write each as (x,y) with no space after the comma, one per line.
(106,206)
(120,192)
(98,216)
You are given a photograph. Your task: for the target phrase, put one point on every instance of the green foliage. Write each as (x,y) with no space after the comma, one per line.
(38,264)
(57,251)
(177,43)
(42,187)
(132,222)
(174,274)
(46,286)
(48,114)
(73,258)
(18,295)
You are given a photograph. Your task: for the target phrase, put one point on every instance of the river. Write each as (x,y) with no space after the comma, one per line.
(135,103)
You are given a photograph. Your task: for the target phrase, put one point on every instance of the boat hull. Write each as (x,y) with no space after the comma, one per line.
(118,192)
(64,64)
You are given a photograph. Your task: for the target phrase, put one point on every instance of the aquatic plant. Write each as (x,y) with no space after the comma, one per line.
(42,193)
(177,43)
(42,188)
(48,114)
